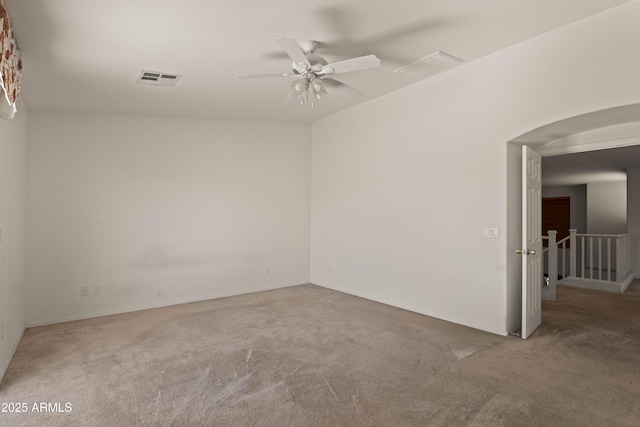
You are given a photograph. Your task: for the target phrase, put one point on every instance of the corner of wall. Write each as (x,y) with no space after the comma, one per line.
(13,182)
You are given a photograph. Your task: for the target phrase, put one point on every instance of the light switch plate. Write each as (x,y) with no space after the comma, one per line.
(490,233)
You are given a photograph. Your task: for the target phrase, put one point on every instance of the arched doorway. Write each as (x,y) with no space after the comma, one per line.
(599,130)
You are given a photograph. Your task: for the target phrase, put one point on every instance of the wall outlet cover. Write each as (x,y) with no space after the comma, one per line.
(490,233)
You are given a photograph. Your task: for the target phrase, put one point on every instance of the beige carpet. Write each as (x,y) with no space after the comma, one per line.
(309,356)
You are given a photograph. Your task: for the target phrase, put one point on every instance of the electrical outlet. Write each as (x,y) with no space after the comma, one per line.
(84,291)
(490,233)
(268,270)
(97,290)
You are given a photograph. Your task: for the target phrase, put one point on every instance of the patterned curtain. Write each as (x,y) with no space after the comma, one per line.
(10,67)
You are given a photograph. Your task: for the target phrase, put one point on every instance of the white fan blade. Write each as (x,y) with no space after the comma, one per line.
(353,64)
(293,50)
(260,76)
(343,88)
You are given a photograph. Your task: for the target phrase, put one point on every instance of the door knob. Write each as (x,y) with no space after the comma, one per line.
(525,252)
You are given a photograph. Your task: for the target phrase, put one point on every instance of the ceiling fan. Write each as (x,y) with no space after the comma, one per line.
(315,72)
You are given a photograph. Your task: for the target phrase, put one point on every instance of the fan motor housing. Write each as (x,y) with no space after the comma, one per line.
(309,46)
(317,62)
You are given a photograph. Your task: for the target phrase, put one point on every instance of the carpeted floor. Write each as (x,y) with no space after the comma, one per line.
(309,356)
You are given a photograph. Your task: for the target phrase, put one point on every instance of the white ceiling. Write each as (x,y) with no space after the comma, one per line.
(84,55)
(592,166)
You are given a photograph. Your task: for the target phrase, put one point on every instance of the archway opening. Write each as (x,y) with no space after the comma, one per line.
(607,129)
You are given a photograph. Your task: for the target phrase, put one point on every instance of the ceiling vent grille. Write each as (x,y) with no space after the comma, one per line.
(430,65)
(156,78)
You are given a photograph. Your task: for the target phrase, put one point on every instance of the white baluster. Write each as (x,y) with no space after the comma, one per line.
(572,252)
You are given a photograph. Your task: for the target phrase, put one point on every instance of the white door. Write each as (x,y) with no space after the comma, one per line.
(531,251)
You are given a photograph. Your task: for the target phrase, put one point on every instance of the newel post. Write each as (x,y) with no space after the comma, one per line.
(572,252)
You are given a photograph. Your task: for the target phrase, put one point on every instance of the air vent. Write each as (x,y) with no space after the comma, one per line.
(430,65)
(156,78)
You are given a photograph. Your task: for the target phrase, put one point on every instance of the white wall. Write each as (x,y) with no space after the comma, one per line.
(403,185)
(13,182)
(607,207)
(577,203)
(633,217)
(159,210)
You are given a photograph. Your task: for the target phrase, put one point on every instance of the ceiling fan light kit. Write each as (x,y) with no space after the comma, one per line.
(303,88)
(314,71)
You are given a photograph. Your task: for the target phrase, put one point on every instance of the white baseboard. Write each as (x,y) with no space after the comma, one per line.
(627,281)
(5,363)
(599,285)
(166,303)
(407,307)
